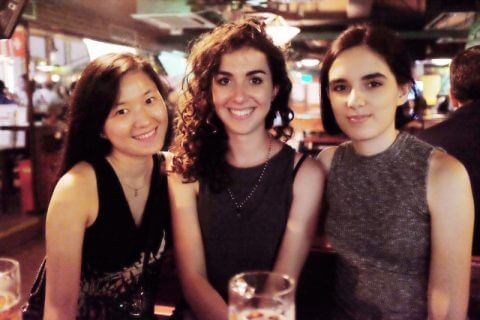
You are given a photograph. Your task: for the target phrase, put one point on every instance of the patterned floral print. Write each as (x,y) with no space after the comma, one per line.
(102,294)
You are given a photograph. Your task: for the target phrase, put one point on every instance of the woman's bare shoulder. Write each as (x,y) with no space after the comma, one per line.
(75,195)
(325,157)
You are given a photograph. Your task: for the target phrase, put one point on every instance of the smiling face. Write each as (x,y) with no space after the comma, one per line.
(364,95)
(242,91)
(137,123)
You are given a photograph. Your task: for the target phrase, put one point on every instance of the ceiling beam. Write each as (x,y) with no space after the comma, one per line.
(420,34)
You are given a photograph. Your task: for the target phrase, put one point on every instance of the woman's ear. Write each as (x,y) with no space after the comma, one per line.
(403,91)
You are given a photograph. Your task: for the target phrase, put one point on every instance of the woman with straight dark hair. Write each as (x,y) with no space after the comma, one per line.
(400,212)
(242,199)
(108,216)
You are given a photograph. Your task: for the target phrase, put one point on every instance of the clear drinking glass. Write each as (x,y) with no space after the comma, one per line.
(9,289)
(261,295)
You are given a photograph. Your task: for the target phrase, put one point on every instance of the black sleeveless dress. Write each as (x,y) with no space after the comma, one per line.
(249,240)
(114,246)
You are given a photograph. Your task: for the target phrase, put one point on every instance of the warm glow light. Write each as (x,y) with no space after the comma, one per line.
(279,30)
(309,63)
(55,77)
(441,62)
(432,84)
(99,48)
(163,310)
(40,78)
(44,67)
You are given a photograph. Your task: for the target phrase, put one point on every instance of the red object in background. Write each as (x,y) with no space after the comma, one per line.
(18,43)
(26,194)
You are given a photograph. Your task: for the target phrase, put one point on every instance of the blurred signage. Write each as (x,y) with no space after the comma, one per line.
(307,77)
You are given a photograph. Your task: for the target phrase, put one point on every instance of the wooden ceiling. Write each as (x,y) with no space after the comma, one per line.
(426,24)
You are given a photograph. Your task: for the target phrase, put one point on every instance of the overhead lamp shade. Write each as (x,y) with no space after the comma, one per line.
(281,35)
(279,30)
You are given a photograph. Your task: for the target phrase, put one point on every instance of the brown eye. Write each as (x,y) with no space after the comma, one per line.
(121,112)
(150,100)
(256,80)
(339,88)
(374,84)
(223,81)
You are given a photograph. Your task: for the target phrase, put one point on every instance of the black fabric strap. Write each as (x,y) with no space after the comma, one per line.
(160,163)
(299,163)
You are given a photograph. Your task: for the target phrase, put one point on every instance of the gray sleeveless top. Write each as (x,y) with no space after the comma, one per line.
(248,241)
(378,222)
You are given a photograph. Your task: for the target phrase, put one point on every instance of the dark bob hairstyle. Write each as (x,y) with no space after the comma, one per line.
(379,39)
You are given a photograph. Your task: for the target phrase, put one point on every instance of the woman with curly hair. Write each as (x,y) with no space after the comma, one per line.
(241,199)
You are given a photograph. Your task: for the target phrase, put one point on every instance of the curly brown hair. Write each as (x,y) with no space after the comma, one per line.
(201,141)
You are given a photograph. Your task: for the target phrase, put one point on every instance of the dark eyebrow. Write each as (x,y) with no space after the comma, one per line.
(369,76)
(334,81)
(373,76)
(119,103)
(223,73)
(249,73)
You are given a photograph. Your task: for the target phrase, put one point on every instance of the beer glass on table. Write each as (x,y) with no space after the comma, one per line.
(261,295)
(9,289)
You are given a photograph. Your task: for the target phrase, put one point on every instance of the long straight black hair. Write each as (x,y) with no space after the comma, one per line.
(93,98)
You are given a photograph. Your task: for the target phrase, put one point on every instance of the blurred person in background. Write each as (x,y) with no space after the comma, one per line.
(400,212)
(443,104)
(460,134)
(242,199)
(409,115)
(21,97)
(4,94)
(108,218)
(46,97)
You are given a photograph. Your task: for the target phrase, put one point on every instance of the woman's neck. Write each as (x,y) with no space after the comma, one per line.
(247,151)
(371,147)
(134,170)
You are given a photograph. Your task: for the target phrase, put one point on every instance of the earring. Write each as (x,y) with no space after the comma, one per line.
(102,135)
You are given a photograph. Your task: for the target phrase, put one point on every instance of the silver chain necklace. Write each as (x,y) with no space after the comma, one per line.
(135,190)
(123,183)
(239,205)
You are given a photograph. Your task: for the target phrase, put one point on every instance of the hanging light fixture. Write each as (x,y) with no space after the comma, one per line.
(276,27)
(279,30)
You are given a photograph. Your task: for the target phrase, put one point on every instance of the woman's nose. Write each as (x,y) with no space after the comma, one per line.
(356,99)
(239,94)
(142,117)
